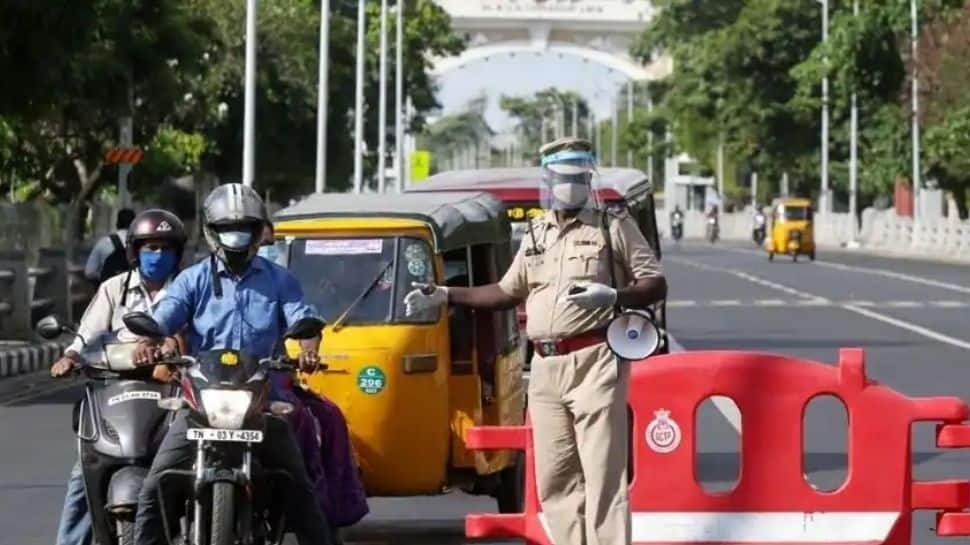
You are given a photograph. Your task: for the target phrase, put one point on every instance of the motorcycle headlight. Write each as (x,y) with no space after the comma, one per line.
(226,409)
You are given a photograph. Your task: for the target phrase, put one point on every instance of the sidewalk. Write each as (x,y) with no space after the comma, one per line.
(19,357)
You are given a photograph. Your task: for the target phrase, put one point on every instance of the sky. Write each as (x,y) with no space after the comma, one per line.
(522,75)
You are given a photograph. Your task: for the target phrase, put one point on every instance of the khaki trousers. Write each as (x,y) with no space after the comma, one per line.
(578,405)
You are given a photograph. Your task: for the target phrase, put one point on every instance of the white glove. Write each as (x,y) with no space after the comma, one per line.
(593,296)
(424,297)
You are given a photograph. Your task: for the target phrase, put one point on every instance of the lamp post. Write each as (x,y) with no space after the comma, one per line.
(322,88)
(399,99)
(854,152)
(249,111)
(359,101)
(382,106)
(914,31)
(825,200)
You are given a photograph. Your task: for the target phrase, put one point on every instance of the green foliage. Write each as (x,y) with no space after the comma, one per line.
(750,71)
(178,66)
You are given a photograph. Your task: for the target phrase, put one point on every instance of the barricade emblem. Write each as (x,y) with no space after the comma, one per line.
(663,433)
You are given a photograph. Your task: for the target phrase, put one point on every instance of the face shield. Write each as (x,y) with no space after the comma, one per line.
(568,179)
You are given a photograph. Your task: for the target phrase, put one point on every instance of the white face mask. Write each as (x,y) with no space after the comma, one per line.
(236,240)
(571,195)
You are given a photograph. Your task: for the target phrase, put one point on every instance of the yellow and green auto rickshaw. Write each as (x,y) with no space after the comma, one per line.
(410,386)
(792,230)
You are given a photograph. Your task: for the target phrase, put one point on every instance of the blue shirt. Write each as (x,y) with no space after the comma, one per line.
(251,316)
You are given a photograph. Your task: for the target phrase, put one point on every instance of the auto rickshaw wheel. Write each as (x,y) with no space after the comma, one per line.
(510,493)
(811,255)
(794,257)
(771,256)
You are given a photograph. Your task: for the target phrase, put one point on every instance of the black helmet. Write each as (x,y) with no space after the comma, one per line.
(155,224)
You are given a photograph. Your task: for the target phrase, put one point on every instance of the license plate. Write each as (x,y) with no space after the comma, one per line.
(238,436)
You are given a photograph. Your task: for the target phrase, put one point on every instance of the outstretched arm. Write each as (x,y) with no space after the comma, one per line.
(488,297)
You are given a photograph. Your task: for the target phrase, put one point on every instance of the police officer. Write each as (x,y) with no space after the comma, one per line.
(577,263)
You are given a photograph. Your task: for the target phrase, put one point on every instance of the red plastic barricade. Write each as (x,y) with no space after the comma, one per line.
(772,502)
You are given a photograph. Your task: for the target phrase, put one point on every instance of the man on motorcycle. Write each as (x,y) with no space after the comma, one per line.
(234,300)
(154,246)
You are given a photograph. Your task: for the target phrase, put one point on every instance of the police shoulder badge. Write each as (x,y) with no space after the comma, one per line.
(663,433)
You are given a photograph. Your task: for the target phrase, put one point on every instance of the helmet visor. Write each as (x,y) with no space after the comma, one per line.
(568,180)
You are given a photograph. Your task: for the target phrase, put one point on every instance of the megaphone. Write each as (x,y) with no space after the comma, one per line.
(633,335)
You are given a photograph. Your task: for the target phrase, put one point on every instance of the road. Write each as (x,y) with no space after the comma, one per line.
(910,316)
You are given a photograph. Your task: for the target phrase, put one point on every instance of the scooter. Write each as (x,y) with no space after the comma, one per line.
(231,499)
(759,231)
(119,427)
(677,226)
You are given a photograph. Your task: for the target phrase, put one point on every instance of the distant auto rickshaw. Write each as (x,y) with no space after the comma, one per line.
(517,188)
(410,386)
(792,229)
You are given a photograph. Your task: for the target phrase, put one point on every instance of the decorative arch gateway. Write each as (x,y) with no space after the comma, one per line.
(600,31)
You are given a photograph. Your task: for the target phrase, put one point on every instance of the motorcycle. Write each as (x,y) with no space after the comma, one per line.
(229,497)
(712,229)
(119,428)
(759,232)
(677,226)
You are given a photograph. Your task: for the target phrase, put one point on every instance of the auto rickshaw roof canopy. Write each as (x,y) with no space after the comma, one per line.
(522,184)
(456,219)
(792,201)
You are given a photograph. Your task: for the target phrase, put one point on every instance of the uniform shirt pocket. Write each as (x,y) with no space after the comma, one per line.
(538,270)
(585,262)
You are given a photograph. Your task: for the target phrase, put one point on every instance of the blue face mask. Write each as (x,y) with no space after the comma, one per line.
(269,252)
(156,266)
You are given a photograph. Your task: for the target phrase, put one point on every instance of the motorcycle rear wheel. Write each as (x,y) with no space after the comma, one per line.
(223,529)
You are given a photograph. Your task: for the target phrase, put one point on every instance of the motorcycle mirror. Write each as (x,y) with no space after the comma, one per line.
(142,324)
(49,327)
(633,335)
(305,328)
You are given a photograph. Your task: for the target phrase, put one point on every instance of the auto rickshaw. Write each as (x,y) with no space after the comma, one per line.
(410,386)
(792,231)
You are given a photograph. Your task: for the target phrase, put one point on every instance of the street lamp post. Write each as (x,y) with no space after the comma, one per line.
(382,106)
(914,30)
(854,152)
(322,91)
(249,111)
(614,133)
(399,99)
(575,117)
(825,200)
(359,101)
(649,139)
(629,117)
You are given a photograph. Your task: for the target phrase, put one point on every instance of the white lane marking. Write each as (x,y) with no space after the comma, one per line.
(726,303)
(903,304)
(681,304)
(926,332)
(770,303)
(868,270)
(896,275)
(855,307)
(724,405)
(948,304)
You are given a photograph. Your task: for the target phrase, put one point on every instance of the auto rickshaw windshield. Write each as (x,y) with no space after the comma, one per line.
(797,213)
(368,276)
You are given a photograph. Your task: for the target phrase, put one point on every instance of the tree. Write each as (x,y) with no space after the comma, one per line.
(547,104)
(79,68)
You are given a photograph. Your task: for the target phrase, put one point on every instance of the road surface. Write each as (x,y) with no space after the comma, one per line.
(910,316)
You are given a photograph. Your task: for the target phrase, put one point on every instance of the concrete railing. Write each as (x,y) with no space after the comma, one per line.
(880,230)
(30,291)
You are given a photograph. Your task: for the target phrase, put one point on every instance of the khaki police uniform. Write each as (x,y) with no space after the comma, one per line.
(578,395)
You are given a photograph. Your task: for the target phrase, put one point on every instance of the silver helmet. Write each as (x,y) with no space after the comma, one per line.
(234,216)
